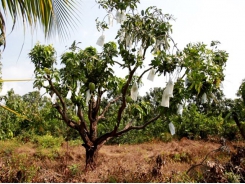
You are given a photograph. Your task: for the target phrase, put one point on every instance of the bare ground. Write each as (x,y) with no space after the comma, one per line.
(116,163)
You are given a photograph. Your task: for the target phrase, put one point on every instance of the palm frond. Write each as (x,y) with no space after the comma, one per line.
(65,16)
(3,30)
(54,16)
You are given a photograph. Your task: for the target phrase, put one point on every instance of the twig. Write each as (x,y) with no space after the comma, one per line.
(216,150)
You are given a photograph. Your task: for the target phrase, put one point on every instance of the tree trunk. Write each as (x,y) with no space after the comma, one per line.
(239,125)
(91,157)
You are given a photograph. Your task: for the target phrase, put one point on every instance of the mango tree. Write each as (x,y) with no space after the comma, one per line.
(85,75)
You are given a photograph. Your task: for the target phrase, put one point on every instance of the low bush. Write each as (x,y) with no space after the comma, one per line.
(48,141)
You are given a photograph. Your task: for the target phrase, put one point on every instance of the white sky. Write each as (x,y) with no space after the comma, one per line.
(196,21)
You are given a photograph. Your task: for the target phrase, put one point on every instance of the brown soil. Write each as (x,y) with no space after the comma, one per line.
(116,163)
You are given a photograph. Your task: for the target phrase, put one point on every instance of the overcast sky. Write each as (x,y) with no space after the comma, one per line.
(196,21)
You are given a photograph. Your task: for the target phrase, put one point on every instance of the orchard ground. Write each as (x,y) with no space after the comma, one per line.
(29,162)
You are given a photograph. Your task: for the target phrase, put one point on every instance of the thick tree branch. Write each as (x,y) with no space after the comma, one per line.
(57,93)
(124,92)
(100,93)
(128,127)
(90,109)
(238,123)
(102,115)
(143,74)
(81,117)
(69,122)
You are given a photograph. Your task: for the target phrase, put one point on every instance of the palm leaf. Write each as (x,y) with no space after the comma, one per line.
(3,30)
(54,16)
(65,16)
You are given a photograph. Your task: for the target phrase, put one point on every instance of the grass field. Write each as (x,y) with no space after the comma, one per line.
(116,163)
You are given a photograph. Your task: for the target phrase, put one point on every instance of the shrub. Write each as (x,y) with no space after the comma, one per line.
(48,141)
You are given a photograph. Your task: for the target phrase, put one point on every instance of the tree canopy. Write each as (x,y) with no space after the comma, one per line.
(85,75)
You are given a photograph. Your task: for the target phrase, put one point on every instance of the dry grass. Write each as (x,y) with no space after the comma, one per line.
(117,163)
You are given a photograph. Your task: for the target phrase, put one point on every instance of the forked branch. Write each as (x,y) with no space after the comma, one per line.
(129,127)
(102,115)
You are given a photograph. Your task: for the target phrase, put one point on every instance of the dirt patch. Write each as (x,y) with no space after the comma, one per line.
(116,163)
(27,149)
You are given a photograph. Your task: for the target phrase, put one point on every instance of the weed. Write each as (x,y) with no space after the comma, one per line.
(232,178)
(74,168)
(112,179)
(8,146)
(181,157)
(76,142)
(166,137)
(180,178)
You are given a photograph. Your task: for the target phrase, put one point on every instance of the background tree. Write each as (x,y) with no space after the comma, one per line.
(238,109)
(27,116)
(86,75)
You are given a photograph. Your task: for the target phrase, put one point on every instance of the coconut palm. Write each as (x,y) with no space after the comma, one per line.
(54,16)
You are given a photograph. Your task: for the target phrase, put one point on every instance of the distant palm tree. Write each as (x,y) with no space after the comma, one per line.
(54,16)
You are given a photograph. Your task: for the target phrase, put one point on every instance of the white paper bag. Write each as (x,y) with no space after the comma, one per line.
(46,84)
(204,98)
(165,100)
(110,19)
(88,96)
(123,16)
(128,41)
(171,128)
(134,92)
(101,40)
(68,96)
(120,16)
(186,82)
(140,52)
(180,109)
(76,109)
(78,89)
(122,36)
(53,99)
(169,88)
(151,75)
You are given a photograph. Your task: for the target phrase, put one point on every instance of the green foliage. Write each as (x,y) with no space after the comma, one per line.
(157,131)
(37,117)
(232,177)
(241,91)
(76,142)
(1,84)
(166,137)
(205,68)
(8,146)
(88,74)
(230,130)
(118,5)
(43,56)
(197,125)
(74,168)
(48,141)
